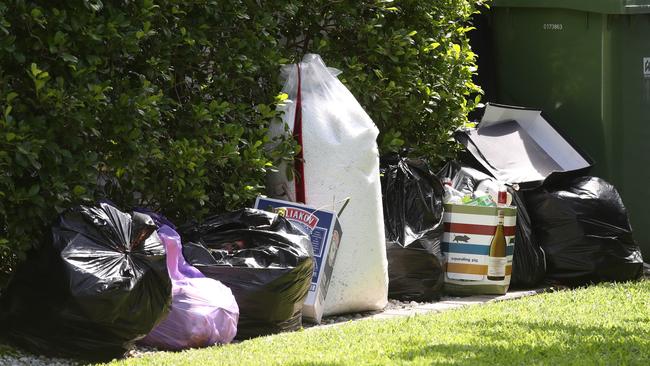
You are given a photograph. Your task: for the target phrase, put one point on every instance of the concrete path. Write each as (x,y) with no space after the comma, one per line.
(399,309)
(449,303)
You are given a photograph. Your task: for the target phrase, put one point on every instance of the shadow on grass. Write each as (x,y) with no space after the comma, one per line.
(557,344)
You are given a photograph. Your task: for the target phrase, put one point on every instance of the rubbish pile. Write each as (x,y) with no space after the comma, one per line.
(413,212)
(339,159)
(528,263)
(571,229)
(204,311)
(343,235)
(262,258)
(324,230)
(584,229)
(100,285)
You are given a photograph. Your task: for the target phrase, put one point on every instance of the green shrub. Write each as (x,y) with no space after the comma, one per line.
(166,103)
(408,63)
(161,104)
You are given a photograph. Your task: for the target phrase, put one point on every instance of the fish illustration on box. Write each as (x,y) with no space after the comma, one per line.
(463,238)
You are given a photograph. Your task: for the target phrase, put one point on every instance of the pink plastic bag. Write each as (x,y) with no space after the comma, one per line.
(204,311)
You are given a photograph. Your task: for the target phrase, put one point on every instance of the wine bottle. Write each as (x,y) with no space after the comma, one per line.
(497,259)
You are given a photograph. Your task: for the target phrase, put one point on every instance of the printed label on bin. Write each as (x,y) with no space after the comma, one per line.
(466,241)
(467,255)
(646,67)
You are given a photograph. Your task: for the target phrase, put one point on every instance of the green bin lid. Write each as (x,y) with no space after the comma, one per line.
(594,6)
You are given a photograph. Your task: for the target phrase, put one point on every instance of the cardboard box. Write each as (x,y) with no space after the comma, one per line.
(518,145)
(325,231)
(466,247)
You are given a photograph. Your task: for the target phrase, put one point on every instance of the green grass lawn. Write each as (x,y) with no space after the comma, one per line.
(607,324)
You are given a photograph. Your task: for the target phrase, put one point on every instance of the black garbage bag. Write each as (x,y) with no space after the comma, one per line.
(266,262)
(100,285)
(585,232)
(528,259)
(412,200)
(528,263)
(463,178)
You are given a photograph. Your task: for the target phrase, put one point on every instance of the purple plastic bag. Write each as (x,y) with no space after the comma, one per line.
(204,311)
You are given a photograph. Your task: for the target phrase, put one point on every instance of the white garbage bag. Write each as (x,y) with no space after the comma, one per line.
(341,160)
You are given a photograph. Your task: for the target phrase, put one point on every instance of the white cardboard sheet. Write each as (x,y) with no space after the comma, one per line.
(519,145)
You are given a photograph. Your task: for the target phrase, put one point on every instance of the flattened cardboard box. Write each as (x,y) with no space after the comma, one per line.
(325,232)
(466,248)
(519,145)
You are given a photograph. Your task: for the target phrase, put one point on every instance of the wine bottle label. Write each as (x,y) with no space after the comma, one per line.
(496,266)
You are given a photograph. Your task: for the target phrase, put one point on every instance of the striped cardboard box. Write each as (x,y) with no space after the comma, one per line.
(466,247)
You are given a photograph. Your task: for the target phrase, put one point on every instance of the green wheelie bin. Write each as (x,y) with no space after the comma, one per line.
(586,64)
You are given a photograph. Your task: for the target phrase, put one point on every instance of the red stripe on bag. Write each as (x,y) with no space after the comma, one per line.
(297,134)
(477,229)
